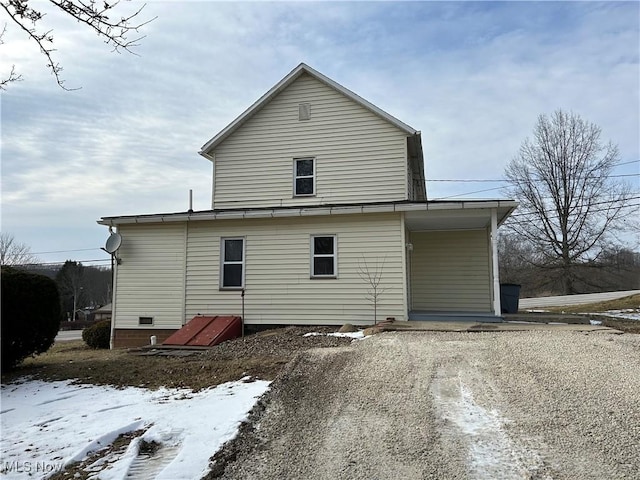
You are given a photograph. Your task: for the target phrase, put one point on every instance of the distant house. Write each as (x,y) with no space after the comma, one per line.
(309,184)
(102,313)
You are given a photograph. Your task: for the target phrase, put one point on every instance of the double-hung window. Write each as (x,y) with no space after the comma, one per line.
(304,177)
(232,263)
(324,256)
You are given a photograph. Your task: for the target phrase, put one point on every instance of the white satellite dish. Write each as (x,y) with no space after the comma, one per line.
(113,243)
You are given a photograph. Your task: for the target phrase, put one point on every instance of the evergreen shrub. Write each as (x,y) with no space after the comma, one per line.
(30,315)
(98,334)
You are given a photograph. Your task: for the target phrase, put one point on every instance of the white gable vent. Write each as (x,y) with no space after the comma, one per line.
(304,111)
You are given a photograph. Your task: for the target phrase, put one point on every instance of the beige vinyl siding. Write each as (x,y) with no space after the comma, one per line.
(277,276)
(450,271)
(150,279)
(359,156)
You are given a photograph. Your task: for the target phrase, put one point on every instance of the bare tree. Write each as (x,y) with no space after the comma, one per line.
(99,16)
(14,253)
(372,275)
(570,206)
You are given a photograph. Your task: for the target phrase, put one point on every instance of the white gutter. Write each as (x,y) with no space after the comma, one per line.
(306,211)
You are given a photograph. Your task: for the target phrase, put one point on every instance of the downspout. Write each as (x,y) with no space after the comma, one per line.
(493,236)
(184,274)
(213,180)
(404,260)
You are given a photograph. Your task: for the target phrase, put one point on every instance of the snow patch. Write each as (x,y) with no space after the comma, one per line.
(491,452)
(627,313)
(359,335)
(47,423)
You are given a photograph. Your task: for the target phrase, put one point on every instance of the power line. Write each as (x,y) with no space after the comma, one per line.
(525,221)
(626,163)
(66,251)
(44,264)
(582,205)
(468,193)
(504,180)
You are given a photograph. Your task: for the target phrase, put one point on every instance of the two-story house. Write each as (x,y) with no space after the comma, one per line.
(312,185)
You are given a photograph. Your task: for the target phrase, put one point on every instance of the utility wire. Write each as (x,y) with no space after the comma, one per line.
(504,180)
(66,251)
(583,205)
(44,264)
(524,221)
(468,193)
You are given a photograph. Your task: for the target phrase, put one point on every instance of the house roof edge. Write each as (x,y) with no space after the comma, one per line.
(294,211)
(284,83)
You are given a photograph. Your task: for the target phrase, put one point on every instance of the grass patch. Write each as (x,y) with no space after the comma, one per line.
(260,356)
(632,301)
(624,303)
(74,360)
(626,326)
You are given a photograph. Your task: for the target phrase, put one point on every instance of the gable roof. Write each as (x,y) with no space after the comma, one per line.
(284,83)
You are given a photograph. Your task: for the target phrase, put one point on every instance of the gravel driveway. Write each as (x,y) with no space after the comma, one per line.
(511,405)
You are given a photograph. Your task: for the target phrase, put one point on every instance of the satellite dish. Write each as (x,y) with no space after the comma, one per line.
(113,243)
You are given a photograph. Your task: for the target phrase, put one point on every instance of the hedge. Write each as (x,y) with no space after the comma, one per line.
(30,315)
(98,335)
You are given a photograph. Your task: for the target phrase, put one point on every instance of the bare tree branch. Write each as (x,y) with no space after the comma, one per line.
(13,75)
(99,16)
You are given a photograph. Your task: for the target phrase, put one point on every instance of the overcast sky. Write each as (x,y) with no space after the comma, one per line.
(473,77)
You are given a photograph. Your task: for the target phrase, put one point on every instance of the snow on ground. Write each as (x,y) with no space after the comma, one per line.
(492,453)
(626,314)
(359,335)
(48,425)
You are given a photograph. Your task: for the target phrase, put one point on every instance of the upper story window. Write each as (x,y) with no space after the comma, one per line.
(232,264)
(304,177)
(324,256)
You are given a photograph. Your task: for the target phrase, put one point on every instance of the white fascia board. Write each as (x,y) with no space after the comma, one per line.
(376,209)
(315,211)
(506,208)
(235,214)
(258,213)
(410,207)
(289,212)
(474,205)
(346,210)
(284,83)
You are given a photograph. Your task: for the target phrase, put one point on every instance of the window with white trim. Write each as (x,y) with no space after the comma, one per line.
(304,177)
(324,256)
(232,263)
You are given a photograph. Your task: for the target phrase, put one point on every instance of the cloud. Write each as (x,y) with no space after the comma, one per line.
(472,76)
